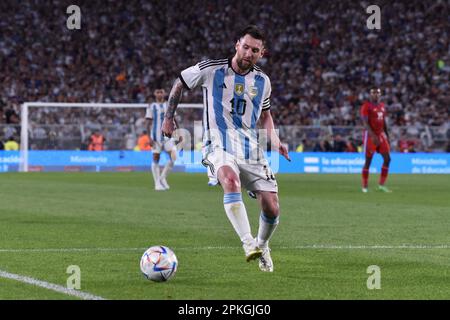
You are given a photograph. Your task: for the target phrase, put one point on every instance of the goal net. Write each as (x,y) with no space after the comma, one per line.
(69,126)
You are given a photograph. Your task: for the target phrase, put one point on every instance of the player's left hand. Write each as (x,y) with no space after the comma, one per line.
(284,152)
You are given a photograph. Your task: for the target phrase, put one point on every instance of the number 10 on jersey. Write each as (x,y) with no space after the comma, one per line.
(238,106)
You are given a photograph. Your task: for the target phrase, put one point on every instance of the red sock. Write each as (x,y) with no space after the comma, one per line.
(365,177)
(384,174)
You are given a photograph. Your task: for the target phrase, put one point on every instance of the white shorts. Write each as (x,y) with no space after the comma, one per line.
(168,146)
(256,176)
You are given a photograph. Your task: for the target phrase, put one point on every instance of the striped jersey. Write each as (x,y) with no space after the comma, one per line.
(232,105)
(156,112)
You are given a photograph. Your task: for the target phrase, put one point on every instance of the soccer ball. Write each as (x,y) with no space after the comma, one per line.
(159,263)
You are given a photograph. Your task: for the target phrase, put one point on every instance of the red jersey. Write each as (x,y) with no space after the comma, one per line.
(403,145)
(96,143)
(375,114)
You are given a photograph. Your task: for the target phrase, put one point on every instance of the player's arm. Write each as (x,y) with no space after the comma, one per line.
(365,120)
(373,136)
(168,125)
(266,122)
(149,123)
(189,78)
(386,129)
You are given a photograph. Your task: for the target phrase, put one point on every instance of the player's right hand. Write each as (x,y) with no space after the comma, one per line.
(283,150)
(150,141)
(168,127)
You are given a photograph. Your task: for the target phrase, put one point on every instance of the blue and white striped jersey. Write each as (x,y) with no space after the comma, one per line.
(156,112)
(232,105)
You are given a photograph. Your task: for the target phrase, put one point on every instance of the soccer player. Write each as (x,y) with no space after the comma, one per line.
(155,116)
(236,94)
(376,138)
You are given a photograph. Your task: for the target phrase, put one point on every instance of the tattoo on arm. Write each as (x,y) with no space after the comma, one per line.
(174,98)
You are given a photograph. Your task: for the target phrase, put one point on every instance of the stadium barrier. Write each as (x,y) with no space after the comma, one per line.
(308,162)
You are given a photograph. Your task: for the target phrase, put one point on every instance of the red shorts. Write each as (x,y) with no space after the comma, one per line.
(370,148)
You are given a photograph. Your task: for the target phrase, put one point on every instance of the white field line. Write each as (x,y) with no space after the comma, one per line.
(49,286)
(313,246)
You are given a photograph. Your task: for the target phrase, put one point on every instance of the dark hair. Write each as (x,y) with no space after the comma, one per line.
(253,31)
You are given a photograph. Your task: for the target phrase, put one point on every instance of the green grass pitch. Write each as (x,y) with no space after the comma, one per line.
(329,234)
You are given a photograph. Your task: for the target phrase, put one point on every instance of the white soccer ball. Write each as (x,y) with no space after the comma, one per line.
(159,263)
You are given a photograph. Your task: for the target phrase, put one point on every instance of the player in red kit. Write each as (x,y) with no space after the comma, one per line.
(376,138)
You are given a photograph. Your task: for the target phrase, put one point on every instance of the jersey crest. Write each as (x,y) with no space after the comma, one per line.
(239,89)
(380,115)
(252,91)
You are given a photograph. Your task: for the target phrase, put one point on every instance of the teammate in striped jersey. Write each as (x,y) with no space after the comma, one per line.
(236,96)
(155,115)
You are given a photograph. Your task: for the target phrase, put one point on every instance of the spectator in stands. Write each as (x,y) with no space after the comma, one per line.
(339,144)
(52,141)
(11,117)
(301,146)
(130,141)
(2,114)
(13,123)
(144,142)
(323,145)
(411,146)
(403,144)
(11,144)
(96,142)
(350,145)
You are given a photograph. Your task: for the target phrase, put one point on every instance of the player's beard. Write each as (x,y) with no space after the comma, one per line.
(244,65)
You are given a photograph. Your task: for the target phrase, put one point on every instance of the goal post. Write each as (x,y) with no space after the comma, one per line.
(25,119)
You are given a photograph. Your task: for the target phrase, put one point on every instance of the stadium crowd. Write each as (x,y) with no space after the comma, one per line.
(321,58)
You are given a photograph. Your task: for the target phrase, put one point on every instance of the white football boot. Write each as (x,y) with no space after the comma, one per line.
(252,251)
(159,187)
(265,261)
(164,183)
